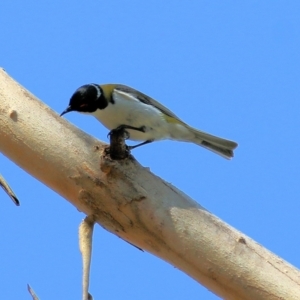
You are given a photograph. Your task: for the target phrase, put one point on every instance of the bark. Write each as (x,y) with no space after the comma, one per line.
(131,202)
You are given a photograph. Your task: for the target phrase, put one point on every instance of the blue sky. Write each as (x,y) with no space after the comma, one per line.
(230,68)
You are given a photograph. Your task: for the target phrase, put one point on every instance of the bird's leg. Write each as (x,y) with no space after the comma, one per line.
(124,127)
(142,128)
(85,244)
(141,144)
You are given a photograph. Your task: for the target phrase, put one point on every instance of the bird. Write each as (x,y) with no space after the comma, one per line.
(120,107)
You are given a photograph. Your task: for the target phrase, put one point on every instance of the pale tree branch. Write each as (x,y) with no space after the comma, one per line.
(129,201)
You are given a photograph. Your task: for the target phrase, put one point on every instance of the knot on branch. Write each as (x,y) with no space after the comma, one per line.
(118,149)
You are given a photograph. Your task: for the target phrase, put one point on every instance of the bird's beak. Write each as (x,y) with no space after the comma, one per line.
(68,109)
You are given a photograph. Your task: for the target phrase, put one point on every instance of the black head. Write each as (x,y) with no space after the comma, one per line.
(85,99)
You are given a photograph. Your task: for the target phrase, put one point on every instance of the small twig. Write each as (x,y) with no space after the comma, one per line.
(32,293)
(85,245)
(9,191)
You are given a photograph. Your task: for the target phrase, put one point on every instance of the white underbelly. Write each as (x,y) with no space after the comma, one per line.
(136,115)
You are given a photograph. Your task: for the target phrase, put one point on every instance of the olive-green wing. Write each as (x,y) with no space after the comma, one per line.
(145,99)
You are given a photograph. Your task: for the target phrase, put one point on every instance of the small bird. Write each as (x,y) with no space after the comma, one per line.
(119,107)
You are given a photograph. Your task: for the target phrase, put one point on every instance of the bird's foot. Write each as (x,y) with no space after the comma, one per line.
(119,131)
(138,145)
(121,128)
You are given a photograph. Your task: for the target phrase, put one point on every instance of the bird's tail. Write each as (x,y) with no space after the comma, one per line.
(213,143)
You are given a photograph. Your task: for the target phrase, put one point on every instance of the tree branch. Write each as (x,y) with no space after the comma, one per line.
(129,201)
